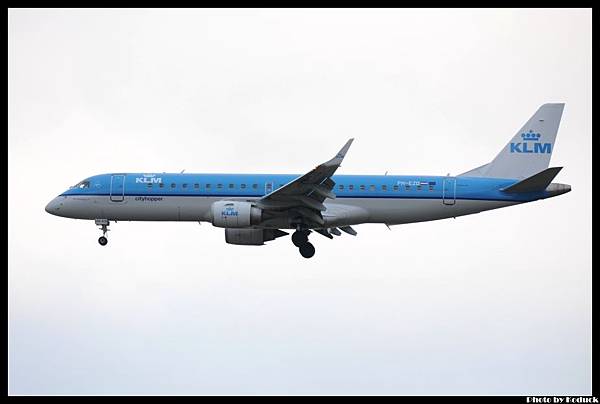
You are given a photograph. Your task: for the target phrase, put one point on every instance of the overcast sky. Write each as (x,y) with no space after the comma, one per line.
(493,303)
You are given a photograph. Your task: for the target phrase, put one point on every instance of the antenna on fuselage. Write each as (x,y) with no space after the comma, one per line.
(182,171)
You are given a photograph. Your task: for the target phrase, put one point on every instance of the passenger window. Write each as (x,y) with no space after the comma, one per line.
(254,186)
(231,186)
(172,185)
(185,185)
(219,186)
(196,186)
(341,187)
(243,186)
(207,186)
(372,188)
(362,187)
(161,185)
(150,185)
(407,187)
(395,187)
(384,187)
(351,187)
(418,187)
(431,187)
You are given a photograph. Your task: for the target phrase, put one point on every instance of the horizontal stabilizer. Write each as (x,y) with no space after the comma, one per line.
(535,183)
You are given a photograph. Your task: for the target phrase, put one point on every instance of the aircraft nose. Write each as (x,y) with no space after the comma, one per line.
(54,206)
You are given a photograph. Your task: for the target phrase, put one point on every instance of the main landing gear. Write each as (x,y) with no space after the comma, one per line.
(300,240)
(103,223)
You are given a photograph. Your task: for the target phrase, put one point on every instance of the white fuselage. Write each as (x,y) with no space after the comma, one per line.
(340,212)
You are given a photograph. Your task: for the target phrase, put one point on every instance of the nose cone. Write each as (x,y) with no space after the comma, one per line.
(54,206)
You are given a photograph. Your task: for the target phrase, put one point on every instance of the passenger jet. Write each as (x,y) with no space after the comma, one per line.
(256,208)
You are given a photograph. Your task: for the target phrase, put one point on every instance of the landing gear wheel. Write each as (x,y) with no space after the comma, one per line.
(103,240)
(299,238)
(307,250)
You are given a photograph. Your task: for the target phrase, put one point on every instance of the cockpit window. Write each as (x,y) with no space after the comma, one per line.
(82,185)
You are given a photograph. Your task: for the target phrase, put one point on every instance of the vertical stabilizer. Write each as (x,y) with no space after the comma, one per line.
(529,151)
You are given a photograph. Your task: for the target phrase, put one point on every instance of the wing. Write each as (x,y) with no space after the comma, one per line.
(303,197)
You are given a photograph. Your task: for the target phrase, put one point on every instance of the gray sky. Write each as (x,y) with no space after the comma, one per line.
(493,303)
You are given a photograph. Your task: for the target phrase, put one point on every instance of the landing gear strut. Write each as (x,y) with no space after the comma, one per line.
(103,223)
(300,240)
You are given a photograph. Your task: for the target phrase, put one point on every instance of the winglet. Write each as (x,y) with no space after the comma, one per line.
(341,154)
(344,150)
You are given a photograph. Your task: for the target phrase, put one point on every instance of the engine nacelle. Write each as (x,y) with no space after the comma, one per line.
(234,214)
(252,236)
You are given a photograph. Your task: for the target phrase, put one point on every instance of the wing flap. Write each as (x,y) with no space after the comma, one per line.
(349,230)
(335,231)
(323,192)
(324,232)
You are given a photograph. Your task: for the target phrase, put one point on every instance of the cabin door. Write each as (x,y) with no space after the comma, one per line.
(449,191)
(117,188)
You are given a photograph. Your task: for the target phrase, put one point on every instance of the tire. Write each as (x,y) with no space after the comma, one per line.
(299,238)
(307,250)
(103,241)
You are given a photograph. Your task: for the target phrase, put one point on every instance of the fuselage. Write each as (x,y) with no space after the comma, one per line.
(254,208)
(358,199)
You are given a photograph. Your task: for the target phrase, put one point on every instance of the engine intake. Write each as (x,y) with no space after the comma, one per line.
(234,214)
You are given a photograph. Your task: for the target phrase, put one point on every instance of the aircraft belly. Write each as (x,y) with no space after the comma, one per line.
(405,210)
(346,211)
(151,208)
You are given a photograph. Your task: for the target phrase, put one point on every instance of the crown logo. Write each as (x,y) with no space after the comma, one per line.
(531,136)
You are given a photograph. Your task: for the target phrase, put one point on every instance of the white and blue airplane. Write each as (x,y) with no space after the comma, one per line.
(254,208)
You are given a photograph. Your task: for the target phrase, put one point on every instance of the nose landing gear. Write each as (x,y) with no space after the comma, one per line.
(103,223)
(300,240)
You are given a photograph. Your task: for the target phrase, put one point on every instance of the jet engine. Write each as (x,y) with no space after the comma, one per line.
(235,214)
(252,236)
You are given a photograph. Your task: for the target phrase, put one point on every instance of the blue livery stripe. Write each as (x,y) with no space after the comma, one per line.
(257,185)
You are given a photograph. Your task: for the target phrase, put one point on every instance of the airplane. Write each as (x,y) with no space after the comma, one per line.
(257,208)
